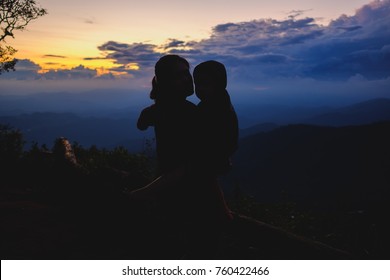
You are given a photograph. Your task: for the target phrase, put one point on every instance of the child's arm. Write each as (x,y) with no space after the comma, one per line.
(146,118)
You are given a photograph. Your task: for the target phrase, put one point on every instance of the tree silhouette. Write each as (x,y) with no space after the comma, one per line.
(14,15)
(11,145)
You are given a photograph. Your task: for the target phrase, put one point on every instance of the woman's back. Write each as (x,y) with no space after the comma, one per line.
(176,132)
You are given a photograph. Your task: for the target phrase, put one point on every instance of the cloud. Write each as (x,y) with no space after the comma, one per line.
(27,65)
(265,34)
(350,28)
(79,72)
(95,58)
(296,13)
(28,70)
(294,47)
(258,43)
(145,55)
(53,56)
(354,45)
(89,21)
(348,46)
(25,70)
(173,43)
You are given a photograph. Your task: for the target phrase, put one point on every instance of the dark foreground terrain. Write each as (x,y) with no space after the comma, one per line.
(69,202)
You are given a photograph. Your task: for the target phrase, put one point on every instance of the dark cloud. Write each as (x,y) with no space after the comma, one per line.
(173,43)
(224,27)
(27,65)
(108,76)
(298,39)
(294,47)
(52,63)
(25,70)
(350,45)
(95,58)
(272,58)
(53,56)
(350,28)
(144,55)
(89,21)
(296,13)
(113,46)
(28,70)
(354,45)
(79,72)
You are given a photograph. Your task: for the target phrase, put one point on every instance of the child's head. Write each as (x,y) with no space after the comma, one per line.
(210,79)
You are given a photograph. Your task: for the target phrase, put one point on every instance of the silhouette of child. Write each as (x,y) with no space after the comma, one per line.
(216,142)
(217,116)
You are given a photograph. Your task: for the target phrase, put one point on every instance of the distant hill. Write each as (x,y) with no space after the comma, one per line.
(329,180)
(257,113)
(118,127)
(98,102)
(44,128)
(325,166)
(263,127)
(361,113)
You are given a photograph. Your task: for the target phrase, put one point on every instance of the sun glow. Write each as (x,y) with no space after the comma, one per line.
(101,65)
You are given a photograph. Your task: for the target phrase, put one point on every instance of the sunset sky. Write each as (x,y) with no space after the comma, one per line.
(306,44)
(74,29)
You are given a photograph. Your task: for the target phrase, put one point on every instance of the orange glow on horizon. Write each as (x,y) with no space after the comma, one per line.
(104,71)
(101,65)
(99,71)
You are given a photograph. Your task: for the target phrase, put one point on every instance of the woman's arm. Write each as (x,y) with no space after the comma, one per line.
(161,184)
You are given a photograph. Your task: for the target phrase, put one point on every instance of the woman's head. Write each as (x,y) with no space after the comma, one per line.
(153,92)
(173,77)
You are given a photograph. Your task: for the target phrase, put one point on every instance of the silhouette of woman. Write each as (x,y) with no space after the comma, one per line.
(172,116)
